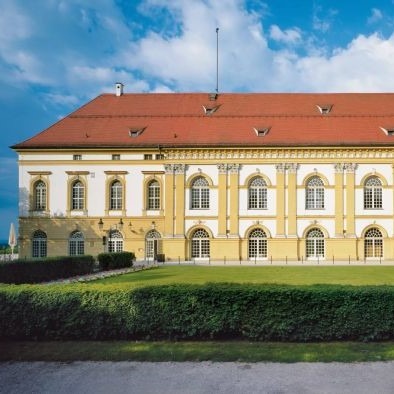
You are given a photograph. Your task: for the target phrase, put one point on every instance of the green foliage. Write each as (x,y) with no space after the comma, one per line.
(35,271)
(210,311)
(108,261)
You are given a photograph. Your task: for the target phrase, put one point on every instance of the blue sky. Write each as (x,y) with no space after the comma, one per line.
(57,54)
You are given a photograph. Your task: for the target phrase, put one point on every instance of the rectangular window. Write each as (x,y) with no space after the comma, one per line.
(78,198)
(154,198)
(160,157)
(77,157)
(77,247)
(148,157)
(39,248)
(116,157)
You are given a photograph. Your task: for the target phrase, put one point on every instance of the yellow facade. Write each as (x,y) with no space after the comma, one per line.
(229,229)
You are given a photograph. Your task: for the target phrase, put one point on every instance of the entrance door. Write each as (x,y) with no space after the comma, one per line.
(257,244)
(200,245)
(315,244)
(152,245)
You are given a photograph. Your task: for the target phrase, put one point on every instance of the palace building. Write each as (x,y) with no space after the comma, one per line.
(229,176)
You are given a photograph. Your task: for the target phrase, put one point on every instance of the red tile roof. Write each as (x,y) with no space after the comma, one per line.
(178,119)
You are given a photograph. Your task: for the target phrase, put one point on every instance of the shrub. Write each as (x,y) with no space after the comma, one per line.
(109,261)
(34,271)
(253,312)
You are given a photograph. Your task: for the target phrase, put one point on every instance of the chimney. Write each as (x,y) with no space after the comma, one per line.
(118,89)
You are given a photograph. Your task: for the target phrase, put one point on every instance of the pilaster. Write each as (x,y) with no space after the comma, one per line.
(234,199)
(292,199)
(339,214)
(222,207)
(169,200)
(280,200)
(350,199)
(179,170)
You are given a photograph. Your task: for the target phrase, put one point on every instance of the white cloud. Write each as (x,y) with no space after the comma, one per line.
(364,66)
(60,99)
(289,36)
(376,16)
(188,61)
(93,46)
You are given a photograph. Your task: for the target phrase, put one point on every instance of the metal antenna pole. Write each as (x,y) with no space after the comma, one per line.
(217,60)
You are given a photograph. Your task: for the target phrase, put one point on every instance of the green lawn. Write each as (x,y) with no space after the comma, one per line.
(356,275)
(196,351)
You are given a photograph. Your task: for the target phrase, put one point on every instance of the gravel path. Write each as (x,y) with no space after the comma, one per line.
(195,378)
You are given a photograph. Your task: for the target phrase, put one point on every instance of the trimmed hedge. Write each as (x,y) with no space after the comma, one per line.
(35,271)
(109,261)
(211,311)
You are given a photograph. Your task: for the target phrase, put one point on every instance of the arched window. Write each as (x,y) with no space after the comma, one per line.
(76,244)
(115,241)
(314,193)
(315,244)
(78,195)
(200,244)
(373,193)
(116,195)
(153,195)
(373,243)
(39,243)
(40,196)
(153,244)
(200,193)
(257,244)
(257,194)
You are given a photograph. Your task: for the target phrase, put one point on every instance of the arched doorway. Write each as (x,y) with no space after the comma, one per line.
(200,246)
(373,244)
(257,244)
(152,245)
(315,244)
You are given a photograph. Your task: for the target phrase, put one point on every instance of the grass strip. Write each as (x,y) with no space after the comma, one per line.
(216,351)
(290,275)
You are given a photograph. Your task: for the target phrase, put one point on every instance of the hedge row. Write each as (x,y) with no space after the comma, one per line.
(211,311)
(109,261)
(34,271)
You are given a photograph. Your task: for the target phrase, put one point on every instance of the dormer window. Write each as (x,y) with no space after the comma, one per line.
(388,130)
(324,109)
(213,96)
(136,131)
(209,110)
(261,131)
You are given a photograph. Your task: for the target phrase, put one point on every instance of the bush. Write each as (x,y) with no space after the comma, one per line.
(35,271)
(108,261)
(252,312)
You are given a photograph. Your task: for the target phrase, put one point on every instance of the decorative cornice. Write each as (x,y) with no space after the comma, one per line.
(152,172)
(40,172)
(280,153)
(116,172)
(79,172)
